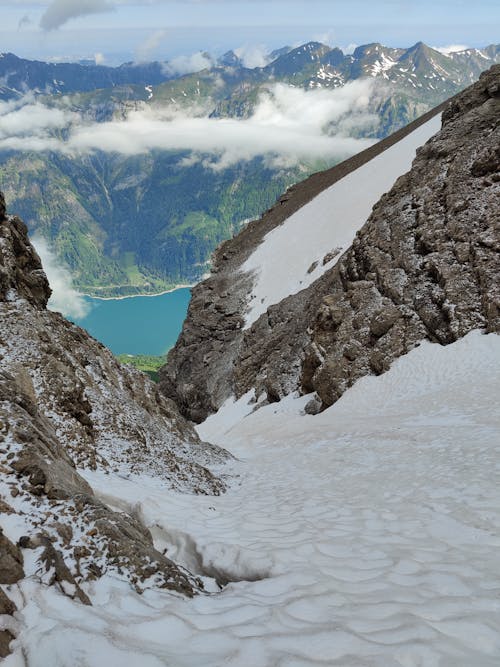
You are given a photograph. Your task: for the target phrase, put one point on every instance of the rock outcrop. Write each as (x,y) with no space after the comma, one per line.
(11,571)
(67,405)
(424,266)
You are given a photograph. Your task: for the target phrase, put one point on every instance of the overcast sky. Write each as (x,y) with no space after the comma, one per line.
(129,29)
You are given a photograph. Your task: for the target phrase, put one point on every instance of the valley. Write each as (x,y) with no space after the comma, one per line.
(141,218)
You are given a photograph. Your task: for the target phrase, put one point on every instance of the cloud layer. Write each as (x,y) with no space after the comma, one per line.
(288,124)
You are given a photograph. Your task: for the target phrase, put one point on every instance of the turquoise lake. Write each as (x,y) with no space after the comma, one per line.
(139,324)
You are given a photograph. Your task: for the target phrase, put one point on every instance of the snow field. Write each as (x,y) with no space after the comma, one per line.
(371,533)
(327,223)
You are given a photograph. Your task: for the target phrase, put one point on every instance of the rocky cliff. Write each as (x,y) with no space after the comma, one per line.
(424,266)
(66,406)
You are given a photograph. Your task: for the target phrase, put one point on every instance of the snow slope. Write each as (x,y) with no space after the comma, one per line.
(365,536)
(328,223)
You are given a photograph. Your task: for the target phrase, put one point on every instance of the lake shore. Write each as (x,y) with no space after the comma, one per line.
(137,326)
(134,296)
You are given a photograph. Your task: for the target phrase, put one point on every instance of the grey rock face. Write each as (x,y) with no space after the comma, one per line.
(7,607)
(11,571)
(66,404)
(212,352)
(20,267)
(11,561)
(424,266)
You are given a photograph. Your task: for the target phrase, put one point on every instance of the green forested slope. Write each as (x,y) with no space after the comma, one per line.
(139,224)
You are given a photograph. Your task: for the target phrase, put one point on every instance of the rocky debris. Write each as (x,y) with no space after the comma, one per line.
(7,608)
(11,561)
(81,538)
(66,404)
(53,562)
(424,266)
(11,571)
(331,255)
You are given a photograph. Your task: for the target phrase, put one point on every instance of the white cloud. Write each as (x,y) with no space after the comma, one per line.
(349,48)
(288,123)
(60,12)
(256,55)
(452,48)
(188,64)
(149,45)
(65,299)
(29,125)
(20,119)
(327,37)
(99,58)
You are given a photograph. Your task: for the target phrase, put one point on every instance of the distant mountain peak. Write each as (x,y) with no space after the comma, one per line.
(229,59)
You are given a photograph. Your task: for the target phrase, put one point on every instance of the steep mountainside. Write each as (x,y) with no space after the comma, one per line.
(139,224)
(424,266)
(67,406)
(93,207)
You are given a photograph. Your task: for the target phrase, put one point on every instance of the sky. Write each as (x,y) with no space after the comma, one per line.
(115,31)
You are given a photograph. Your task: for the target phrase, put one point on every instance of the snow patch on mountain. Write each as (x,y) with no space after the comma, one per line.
(293,255)
(380,66)
(363,536)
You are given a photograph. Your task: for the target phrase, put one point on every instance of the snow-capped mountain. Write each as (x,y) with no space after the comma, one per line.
(419,71)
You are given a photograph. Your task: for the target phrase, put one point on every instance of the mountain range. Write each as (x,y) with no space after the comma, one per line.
(140,223)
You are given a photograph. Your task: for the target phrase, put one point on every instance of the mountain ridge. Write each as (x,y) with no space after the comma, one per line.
(293,345)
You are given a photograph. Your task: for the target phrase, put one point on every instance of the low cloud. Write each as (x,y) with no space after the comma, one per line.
(19,118)
(60,12)
(255,55)
(65,299)
(288,124)
(145,50)
(452,48)
(30,125)
(189,64)
(350,48)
